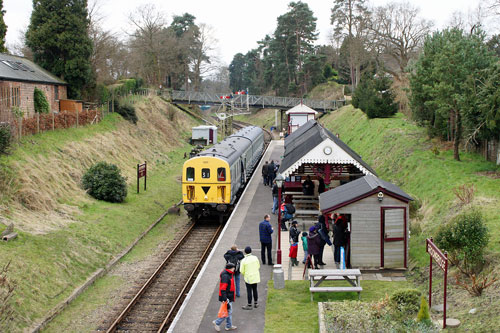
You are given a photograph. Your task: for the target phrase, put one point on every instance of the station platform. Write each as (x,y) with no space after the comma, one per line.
(201,305)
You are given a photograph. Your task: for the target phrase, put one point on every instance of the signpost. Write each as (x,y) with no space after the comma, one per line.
(142,172)
(442,261)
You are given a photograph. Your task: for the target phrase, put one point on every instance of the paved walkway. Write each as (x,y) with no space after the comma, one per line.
(201,307)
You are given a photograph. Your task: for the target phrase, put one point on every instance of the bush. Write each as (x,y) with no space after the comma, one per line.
(104,182)
(465,238)
(41,103)
(374,97)
(103,94)
(407,301)
(5,138)
(423,313)
(126,110)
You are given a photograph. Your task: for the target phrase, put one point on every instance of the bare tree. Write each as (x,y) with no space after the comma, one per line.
(202,54)
(399,33)
(147,41)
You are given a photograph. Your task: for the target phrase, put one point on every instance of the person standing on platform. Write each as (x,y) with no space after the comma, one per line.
(235,256)
(294,243)
(339,238)
(271,172)
(321,185)
(226,294)
(275,197)
(250,267)
(308,186)
(265,231)
(322,229)
(313,245)
(265,171)
(304,246)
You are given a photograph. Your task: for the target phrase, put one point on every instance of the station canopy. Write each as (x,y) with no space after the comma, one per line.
(313,144)
(357,190)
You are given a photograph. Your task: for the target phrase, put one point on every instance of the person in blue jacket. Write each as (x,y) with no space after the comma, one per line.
(265,231)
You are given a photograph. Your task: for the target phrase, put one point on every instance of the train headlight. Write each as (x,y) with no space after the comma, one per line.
(206,197)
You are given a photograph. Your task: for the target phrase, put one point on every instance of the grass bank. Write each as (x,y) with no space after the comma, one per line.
(291,310)
(64,235)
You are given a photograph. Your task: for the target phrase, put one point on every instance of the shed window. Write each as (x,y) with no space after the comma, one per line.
(190,174)
(221,174)
(205,173)
(16,97)
(56,93)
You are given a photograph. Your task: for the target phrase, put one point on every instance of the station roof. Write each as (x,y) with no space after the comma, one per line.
(358,189)
(14,68)
(300,144)
(301,108)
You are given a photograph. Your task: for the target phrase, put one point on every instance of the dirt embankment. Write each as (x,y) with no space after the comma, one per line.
(42,191)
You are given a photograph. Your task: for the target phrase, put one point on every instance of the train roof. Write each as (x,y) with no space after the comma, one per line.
(228,148)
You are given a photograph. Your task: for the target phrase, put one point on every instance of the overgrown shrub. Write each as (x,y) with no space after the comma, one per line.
(465,238)
(5,138)
(374,96)
(423,313)
(41,103)
(103,181)
(407,301)
(6,291)
(126,110)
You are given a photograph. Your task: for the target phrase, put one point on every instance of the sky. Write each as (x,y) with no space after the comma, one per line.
(237,25)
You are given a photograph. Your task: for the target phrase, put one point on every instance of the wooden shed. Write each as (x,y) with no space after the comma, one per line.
(377,213)
(298,116)
(204,134)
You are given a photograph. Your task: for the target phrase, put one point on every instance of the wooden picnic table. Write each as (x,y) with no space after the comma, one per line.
(317,276)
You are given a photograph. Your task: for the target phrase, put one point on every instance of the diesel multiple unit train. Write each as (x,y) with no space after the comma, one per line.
(213,179)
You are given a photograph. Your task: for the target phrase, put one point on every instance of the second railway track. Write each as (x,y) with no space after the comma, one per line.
(154,306)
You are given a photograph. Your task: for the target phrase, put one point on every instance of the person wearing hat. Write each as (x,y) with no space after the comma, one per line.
(313,245)
(294,242)
(226,294)
(250,268)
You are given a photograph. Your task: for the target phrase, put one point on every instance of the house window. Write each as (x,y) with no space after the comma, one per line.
(16,97)
(56,93)
(5,96)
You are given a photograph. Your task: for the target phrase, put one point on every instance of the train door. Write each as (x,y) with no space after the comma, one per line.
(243,173)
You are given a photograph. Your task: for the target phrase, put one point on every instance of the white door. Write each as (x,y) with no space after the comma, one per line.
(393,243)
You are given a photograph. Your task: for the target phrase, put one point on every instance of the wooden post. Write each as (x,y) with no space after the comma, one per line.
(76,118)
(146,178)
(445,285)
(20,128)
(138,177)
(430,282)
(53,121)
(37,122)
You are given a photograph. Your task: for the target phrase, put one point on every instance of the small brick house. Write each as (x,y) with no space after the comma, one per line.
(18,79)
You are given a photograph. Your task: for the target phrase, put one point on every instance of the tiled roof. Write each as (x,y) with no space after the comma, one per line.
(344,194)
(308,136)
(14,68)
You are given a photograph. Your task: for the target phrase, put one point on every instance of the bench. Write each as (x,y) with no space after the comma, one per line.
(317,276)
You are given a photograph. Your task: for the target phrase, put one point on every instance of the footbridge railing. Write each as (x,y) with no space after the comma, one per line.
(253,101)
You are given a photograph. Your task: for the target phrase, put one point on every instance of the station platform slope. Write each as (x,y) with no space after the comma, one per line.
(201,305)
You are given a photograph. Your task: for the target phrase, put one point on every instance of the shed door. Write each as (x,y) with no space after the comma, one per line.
(211,136)
(393,237)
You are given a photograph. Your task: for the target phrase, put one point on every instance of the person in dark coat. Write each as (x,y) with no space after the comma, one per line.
(308,186)
(226,294)
(322,230)
(339,238)
(271,172)
(275,192)
(313,245)
(321,185)
(235,256)
(265,171)
(265,231)
(294,242)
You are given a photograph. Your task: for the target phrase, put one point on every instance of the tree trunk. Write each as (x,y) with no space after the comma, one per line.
(458,135)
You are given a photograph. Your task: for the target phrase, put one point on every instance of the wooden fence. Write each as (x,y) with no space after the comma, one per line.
(51,121)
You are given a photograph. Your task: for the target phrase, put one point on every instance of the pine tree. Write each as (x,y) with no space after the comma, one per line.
(3,29)
(58,37)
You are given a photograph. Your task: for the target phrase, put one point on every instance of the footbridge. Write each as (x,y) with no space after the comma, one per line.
(251,101)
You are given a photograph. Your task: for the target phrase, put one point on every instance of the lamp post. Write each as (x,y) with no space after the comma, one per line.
(279,182)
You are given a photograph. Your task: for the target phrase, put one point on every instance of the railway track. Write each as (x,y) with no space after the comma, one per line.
(153,308)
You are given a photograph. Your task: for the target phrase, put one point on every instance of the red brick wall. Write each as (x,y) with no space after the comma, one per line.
(26,97)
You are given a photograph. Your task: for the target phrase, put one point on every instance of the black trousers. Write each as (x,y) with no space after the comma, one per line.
(263,248)
(252,290)
(321,249)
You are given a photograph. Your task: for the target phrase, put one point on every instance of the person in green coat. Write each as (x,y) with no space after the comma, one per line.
(304,245)
(250,268)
